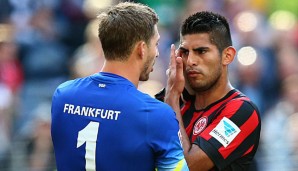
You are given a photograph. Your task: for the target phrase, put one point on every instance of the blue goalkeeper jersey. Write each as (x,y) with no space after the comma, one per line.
(103,123)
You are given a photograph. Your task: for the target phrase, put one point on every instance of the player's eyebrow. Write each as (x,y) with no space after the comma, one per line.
(200,48)
(183,49)
(195,49)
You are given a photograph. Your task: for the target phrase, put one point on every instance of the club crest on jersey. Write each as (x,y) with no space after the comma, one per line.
(200,125)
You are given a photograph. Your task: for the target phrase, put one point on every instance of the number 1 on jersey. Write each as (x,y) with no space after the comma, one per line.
(89,135)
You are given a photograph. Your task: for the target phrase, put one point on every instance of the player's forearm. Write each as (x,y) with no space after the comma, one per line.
(173,100)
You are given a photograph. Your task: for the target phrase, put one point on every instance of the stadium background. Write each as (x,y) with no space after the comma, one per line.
(45,42)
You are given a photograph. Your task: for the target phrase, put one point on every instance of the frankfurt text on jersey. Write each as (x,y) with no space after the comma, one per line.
(90,111)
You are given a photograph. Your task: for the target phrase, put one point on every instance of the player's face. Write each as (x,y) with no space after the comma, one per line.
(201,60)
(152,49)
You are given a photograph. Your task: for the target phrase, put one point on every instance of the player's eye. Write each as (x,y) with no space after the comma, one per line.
(184,53)
(202,51)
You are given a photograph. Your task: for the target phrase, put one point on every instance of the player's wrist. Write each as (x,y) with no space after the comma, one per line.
(172,97)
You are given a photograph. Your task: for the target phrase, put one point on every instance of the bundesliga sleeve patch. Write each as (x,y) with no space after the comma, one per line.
(225,131)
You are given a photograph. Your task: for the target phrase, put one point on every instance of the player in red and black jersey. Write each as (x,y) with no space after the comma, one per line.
(220,126)
(235,107)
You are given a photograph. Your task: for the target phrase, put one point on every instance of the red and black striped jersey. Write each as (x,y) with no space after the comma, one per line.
(228,130)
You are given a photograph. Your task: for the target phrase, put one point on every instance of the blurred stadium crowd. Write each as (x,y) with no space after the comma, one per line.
(46,42)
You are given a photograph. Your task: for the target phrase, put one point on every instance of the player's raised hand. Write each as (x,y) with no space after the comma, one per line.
(176,81)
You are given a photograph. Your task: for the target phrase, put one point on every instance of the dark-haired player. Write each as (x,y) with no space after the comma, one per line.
(222,124)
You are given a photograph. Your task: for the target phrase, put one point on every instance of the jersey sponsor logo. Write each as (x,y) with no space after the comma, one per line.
(200,125)
(229,130)
(225,131)
(102,85)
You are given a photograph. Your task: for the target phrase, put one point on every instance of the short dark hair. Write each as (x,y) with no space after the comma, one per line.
(208,22)
(123,25)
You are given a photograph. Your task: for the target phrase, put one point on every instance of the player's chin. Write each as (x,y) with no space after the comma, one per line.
(144,77)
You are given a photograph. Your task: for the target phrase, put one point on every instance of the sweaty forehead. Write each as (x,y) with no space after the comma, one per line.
(191,41)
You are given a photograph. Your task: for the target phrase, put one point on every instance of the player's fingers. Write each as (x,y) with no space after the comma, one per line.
(178,52)
(172,57)
(168,72)
(179,68)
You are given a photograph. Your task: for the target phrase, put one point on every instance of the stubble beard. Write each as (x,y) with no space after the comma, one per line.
(207,84)
(145,72)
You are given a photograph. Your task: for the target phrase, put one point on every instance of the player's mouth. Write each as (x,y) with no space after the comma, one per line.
(193,73)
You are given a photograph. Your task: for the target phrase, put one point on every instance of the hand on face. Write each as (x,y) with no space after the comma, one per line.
(178,52)
(176,81)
